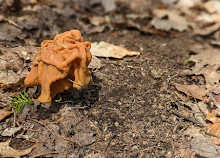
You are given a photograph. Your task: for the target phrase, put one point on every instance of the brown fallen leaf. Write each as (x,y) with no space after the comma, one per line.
(4,113)
(169,19)
(193,91)
(95,63)
(208,30)
(104,49)
(204,147)
(212,6)
(214,128)
(215,97)
(11,131)
(7,151)
(207,63)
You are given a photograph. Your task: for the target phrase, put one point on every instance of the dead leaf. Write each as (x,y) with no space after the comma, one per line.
(169,19)
(204,147)
(84,138)
(212,6)
(207,63)
(214,128)
(95,63)
(215,97)
(1,17)
(4,113)
(207,30)
(9,32)
(193,91)
(94,155)
(11,131)
(99,20)
(104,49)
(109,5)
(7,151)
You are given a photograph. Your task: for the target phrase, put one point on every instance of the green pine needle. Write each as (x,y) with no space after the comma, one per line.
(19,101)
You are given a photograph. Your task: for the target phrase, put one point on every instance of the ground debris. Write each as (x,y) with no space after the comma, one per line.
(4,113)
(11,131)
(14,64)
(169,19)
(207,63)
(193,90)
(7,151)
(214,128)
(104,49)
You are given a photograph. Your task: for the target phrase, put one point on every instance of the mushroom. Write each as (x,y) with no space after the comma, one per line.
(60,64)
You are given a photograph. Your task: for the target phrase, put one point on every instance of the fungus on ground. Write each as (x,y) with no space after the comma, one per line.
(60,64)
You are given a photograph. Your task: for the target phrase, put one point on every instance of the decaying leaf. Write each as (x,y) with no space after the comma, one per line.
(200,144)
(84,138)
(99,20)
(208,30)
(4,113)
(214,128)
(14,64)
(215,97)
(212,6)
(204,147)
(7,151)
(95,63)
(104,49)
(207,63)
(192,90)
(169,19)
(94,155)
(10,131)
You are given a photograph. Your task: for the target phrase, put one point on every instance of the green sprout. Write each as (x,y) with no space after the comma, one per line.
(187,61)
(19,101)
(60,100)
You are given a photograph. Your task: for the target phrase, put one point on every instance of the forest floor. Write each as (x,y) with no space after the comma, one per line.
(131,112)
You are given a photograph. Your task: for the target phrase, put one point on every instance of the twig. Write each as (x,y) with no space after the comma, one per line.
(210,134)
(113,137)
(44,126)
(178,95)
(63,137)
(14,122)
(188,118)
(51,152)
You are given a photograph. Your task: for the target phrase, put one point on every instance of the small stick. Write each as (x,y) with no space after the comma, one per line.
(178,95)
(188,118)
(14,123)
(51,152)
(210,134)
(63,137)
(44,126)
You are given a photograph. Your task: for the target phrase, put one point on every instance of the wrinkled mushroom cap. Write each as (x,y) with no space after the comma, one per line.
(60,64)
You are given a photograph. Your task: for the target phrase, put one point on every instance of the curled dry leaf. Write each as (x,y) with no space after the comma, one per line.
(7,151)
(193,91)
(4,113)
(104,49)
(169,19)
(207,63)
(10,131)
(214,128)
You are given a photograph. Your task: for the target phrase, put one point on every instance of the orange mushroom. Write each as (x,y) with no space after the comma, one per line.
(60,64)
